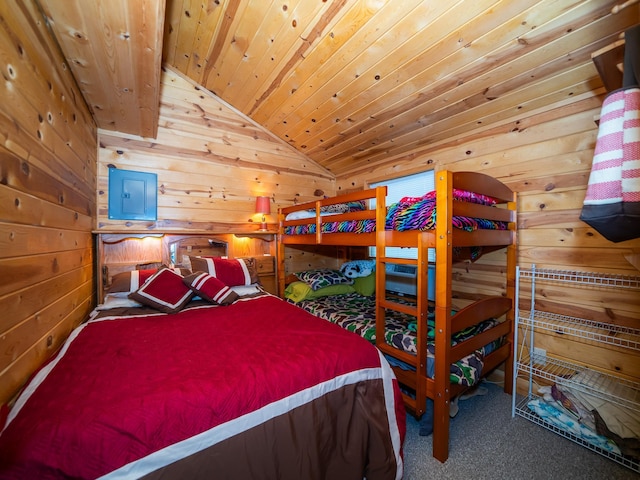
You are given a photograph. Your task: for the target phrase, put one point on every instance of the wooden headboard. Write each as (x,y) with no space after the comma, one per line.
(121,252)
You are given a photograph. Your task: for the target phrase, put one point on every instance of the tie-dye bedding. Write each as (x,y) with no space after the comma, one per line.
(356,313)
(410,213)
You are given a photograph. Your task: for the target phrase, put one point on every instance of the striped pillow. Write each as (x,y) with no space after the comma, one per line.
(127,282)
(130,281)
(232,272)
(164,291)
(210,288)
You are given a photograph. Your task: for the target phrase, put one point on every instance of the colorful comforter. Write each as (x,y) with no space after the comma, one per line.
(257,389)
(410,213)
(356,313)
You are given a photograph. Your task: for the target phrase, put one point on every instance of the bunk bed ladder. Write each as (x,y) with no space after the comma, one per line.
(415,379)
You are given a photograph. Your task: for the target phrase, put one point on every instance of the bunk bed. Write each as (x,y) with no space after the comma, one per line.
(475,215)
(193,374)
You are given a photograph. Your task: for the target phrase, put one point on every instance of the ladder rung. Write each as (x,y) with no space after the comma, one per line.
(403,261)
(397,353)
(399,307)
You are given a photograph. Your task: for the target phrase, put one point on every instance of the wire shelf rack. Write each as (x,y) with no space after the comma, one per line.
(609,334)
(613,389)
(523,410)
(584,278)
(590,384)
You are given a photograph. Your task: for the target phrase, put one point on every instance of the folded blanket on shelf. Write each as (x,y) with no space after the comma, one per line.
(561,420)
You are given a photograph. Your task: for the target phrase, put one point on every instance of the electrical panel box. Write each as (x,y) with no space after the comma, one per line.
(132,195)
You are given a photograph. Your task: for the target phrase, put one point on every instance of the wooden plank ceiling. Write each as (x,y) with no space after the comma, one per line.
(351,84)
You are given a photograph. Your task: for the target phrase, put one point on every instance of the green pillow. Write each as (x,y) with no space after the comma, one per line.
(340,289)
(298,291)
(365,286)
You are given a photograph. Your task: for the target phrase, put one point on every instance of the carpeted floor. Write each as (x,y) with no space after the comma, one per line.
(487,443)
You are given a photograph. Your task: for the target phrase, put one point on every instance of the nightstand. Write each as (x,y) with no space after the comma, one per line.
(267,273)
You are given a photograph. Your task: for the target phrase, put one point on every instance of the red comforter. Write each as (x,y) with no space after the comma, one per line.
(257,389)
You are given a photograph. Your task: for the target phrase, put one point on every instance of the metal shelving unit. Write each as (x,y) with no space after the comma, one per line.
(544,369)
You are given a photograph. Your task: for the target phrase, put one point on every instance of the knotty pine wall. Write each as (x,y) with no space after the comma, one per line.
(48,156)
(211,163)
(546,157)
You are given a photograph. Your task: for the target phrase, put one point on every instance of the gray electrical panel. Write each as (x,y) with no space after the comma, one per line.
(132,195)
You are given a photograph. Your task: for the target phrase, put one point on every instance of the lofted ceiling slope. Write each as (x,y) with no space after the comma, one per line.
(351,84)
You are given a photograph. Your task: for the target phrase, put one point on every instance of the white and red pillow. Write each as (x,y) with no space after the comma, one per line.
(164,291)
(232,272)
(210,288)
(130,281)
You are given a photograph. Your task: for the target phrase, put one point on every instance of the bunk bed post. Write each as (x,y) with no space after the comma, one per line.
(444,251)
(512,259)
(381,267)
(318,223)
(280,248)
(422,306)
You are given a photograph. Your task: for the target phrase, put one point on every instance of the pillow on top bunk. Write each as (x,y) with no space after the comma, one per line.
(300,214)
(335,208)
(299,291)
(164,291)
(473,197)
(355,206)
(231,271)
(210,288)
(323,277)
(462,195)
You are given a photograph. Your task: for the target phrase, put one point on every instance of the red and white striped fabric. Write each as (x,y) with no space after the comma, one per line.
(612,202)
(615,174)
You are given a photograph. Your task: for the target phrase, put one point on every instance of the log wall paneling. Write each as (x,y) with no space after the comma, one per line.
(48,158)
(99,39)
(298,259)
(546,157)
(211,163)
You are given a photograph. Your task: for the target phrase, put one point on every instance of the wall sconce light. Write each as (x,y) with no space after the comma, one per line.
(263,206)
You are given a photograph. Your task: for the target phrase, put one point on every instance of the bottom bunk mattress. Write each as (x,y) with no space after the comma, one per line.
(357,313)
(255,389)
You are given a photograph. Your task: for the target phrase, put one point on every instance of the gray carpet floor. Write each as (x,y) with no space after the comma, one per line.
(487,443)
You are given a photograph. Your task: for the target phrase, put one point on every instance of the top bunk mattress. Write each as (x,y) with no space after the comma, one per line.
(410,213)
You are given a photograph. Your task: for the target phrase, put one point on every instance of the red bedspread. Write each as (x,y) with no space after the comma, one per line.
(248,389)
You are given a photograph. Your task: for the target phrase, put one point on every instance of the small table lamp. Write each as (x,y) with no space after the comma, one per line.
(263,206)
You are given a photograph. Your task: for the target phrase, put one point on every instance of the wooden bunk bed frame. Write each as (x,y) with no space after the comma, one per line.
(444,238)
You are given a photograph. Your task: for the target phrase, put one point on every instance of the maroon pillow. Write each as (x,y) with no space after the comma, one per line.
(210,288)
(130,281)
(164,291)
(232,272)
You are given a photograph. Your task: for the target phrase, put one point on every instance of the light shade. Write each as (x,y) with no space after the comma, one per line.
(263,205)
